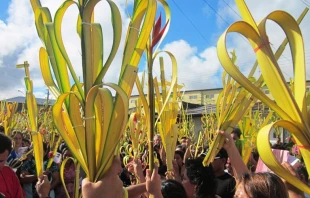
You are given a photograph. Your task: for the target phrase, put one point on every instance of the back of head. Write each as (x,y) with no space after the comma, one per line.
(202,177)
(180,153)
(303,174)
(263,185)
(6,143)
(181,148)
(237,131)
(172,189)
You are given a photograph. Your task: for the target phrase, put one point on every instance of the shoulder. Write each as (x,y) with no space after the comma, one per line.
(7,169)
(8,172)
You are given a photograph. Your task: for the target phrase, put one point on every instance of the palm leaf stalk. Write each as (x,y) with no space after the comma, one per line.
(249,126)
(33,120)
(138,123)
(246,101)
(293,110)
(168,113)
(87,111)
(208,125)
(154,41)
(8,116)
(186,126)
(199,147)
(233,102)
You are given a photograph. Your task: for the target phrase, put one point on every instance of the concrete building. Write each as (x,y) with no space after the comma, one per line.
(207,99)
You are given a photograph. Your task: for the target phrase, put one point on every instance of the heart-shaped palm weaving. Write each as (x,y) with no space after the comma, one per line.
(290,105)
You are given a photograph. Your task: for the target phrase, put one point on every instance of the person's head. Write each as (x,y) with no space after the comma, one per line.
(185,141)
(303,174)
(157,140)
(66,153)
(172,189)
(2,129)
(26,142)
(178,156)
(181,148)
(252,163)
(45,151)
(219,162)
(236,134)
(261,185)
(18,139)
(199,180)
(5,149)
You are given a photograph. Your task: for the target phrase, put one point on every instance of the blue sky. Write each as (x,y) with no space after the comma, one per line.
(3,9)
(194,31)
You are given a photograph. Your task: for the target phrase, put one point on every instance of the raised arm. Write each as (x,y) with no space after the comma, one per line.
(234,155)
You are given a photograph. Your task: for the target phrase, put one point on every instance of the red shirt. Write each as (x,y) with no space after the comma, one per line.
(9,184)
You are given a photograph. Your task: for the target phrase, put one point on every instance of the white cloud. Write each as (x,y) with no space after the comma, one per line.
(19,42)
(196,70)
(202,70)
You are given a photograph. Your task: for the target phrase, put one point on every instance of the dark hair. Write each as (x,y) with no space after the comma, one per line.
(302,172)
(15,132)
(263,185)
(64,149)
(237,132)
(181,153)
(62,146)
(202,177)
(2,129)
(172,189)
(6,143)
(26,140)
(162,170)
(182,147)
(45,150)
(255,155)
(222,154)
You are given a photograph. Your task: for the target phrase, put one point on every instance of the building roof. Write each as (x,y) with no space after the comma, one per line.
(201,109)
(22,99)
(193,90)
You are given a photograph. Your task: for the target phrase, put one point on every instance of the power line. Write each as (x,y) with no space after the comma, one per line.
(192,23)
(216,12)
(224,19)
(232,8)
(305,3)
(241,18)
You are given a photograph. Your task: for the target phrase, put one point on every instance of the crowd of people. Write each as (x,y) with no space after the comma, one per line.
(226,177)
